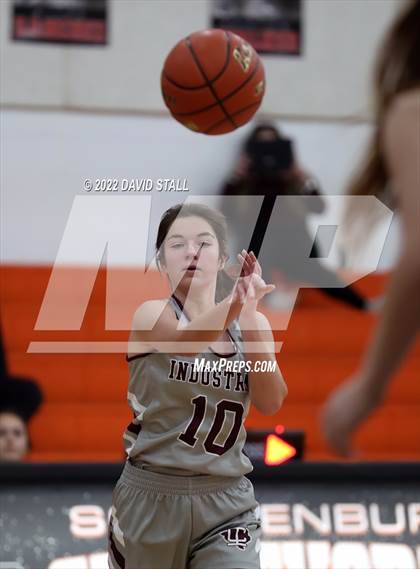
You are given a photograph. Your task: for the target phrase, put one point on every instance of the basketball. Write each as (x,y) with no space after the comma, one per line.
(213,81)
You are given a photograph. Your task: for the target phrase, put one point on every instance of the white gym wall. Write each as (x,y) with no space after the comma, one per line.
(70,113)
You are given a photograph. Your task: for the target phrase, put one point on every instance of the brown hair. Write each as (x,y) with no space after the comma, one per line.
(218,223)
(397,70)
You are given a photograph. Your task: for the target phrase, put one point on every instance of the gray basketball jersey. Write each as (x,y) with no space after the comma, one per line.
(187,419)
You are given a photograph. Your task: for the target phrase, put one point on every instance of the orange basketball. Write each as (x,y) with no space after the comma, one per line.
(213,81)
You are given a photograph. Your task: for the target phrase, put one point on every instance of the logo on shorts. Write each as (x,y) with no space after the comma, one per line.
(236,536)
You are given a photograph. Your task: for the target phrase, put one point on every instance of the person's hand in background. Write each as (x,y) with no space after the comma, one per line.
(242,167)
(346,408)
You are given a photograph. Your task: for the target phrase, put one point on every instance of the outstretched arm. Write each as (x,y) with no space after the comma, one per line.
(351,403)
(267,388)
(401,315)
(155,327)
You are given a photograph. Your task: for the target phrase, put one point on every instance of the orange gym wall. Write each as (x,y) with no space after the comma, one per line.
(85,410)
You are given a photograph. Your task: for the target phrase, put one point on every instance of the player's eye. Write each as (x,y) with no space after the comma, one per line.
(205,244)
(177,245)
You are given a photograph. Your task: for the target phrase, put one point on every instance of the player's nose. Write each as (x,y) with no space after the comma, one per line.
(193,250)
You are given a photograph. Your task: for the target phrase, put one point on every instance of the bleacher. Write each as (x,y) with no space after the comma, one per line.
(85,409)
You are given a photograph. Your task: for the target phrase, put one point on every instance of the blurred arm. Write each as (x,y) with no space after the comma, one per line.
(267,389)
(155,326)
(401,315)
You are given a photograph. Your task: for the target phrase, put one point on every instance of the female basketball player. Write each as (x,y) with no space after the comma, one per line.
(182,499)
(392,167)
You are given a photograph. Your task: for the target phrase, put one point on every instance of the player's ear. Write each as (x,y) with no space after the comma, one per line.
(160,262)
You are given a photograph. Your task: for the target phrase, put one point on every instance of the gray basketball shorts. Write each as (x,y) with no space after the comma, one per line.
(160,521)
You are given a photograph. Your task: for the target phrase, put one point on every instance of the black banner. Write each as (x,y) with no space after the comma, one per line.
(270,26)
(67,21)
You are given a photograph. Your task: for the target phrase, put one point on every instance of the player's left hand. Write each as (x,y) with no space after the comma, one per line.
(348,406)
(251,287)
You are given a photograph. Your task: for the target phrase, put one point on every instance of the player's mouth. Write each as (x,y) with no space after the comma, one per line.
(191,268)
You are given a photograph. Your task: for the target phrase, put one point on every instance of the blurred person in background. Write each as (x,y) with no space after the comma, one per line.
(267,166)
(392,173)
(20,399)
(14,439)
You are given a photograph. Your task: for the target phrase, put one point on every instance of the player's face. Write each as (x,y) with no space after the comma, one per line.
(191,252)
(13,437)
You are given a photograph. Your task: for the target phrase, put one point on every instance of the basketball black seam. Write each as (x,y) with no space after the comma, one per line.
(225,98)
(182,86)
(225,66)
(226,63)
(209,84)
(234,114)
(198,111)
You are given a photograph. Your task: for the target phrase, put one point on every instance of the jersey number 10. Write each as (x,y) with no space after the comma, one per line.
(200,404)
